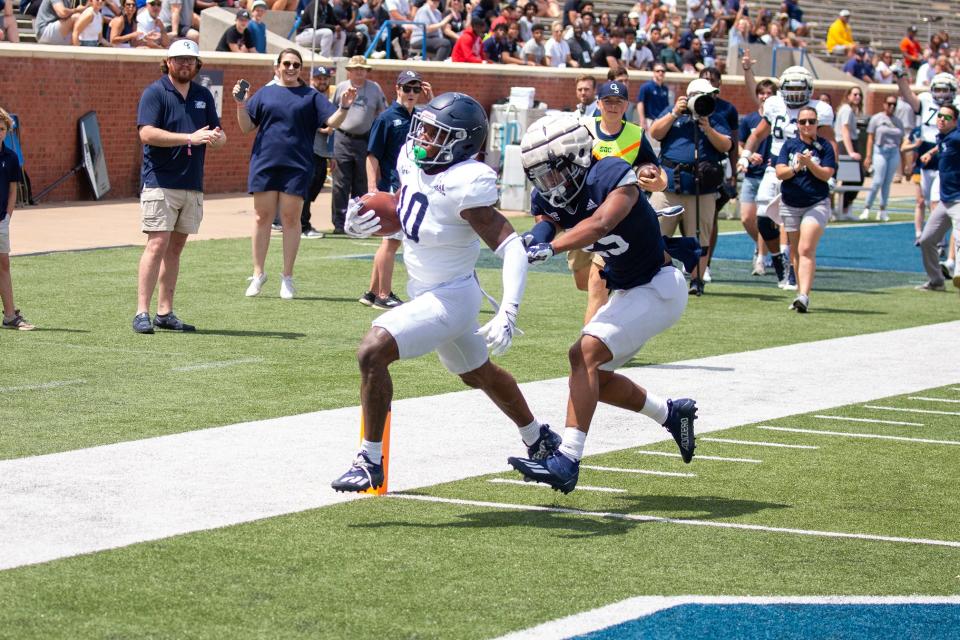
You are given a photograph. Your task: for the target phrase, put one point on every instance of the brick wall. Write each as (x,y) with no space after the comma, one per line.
(53,86)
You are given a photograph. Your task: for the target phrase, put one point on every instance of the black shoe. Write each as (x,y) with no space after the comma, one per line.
(142,324)
(556,470)
(276,226)
(390,302)
(696,287)
(173,323)
(361,475)
(367,299)
(681,414)
(338,231)
(548,442)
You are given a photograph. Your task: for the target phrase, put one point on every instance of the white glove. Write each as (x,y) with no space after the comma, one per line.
(498,333)
(360,226)
(831,184)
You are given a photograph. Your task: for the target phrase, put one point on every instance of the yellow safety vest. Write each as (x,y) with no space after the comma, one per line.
(626,146)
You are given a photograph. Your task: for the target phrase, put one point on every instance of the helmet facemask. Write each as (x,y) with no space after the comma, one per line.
(557,179)
(943,93)
(426,133)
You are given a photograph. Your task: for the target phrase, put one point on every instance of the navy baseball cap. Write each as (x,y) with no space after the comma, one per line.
(408,76)
(320,71)
(243,15)
(612,89)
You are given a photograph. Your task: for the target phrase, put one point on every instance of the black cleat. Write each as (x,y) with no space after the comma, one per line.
(142,324)
(171,322)
(681,415)
(361,475)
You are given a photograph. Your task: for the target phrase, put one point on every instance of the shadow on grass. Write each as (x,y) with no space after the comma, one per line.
(327,299)
(59,330)
(282,335)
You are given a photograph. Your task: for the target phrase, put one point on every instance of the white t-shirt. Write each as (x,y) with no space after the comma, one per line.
(557,52)
(427,16)
(403,6)
(438,244)
(783,119)
(925,74)
(536,50)
(146,24)
(883,75)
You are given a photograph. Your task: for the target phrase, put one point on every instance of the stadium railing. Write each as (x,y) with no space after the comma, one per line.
(383,34)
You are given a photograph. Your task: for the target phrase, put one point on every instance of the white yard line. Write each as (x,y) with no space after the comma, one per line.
(699,457)
(110,496)
(217,365)
(927,399)
(754,443)
(860,435)
(646,472)
(933,411)
(42,386)
(610,615)
(537,485)
(635,517)
(906,424)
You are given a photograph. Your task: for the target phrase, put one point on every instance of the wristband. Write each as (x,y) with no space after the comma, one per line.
(189,146)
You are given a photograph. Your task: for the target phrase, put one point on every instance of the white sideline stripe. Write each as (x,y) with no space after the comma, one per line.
(691,521)
(538,485)
(217,365)
(927,399)
(939,413)
(41,386)
(667,454)
(611,615)
(648,472)
(906,424)
(860,435)
(759,444)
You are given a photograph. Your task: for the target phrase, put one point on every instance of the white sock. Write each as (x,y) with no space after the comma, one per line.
(572,445)
(530,433)
(374,451)
(655,408)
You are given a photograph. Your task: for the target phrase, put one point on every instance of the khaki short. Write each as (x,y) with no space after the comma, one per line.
(708,205)
(5,235)
(177,210)
(579,259)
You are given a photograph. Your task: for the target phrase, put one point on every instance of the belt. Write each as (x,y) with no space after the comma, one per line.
(670,164)
(355,136)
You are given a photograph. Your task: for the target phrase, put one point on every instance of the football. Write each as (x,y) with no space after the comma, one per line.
(385,204)
(649,171)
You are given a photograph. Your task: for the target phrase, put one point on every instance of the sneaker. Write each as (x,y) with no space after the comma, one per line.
(548,442)
(800,304)
(789,282)
(338,231)
(276,226)
(946,268)
(171,322)
(361,475)
(883,216)
(696,287)
(390,302)
(312,234)
(256,283)
(758,268)
(20,323)
(141,323)
(367,299)
(556,470)
(929,286)
(706,275)
(864,216)
(287,290)
(681,414)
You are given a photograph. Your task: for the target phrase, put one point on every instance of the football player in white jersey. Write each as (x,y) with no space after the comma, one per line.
(445,205)
(943,90)
(780,123)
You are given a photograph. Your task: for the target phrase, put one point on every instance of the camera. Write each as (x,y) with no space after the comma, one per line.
(702,104)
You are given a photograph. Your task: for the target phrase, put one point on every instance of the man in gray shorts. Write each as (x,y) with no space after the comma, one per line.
(177,119)
(55,20)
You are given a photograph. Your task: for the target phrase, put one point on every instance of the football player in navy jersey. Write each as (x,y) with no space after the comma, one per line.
(600,206)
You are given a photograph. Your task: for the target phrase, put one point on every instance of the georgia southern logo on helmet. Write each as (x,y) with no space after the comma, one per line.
(796,86)
(555,153)
(450,129)
(943,88)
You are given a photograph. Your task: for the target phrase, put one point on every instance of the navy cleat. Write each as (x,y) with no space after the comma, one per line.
(172,322)
(361,475)
(681,415)
(556,470)
(548,442)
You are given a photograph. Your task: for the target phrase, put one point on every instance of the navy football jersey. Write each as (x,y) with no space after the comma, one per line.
(633,250)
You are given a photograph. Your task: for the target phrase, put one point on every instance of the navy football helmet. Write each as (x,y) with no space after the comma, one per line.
(450,129)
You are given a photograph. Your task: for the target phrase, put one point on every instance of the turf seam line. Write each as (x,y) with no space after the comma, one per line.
(934,411)
(537,485)
(758,444)
(875,436)
(928,399)
(649,472)
(42,386)
(692,522)
(667,454)
(217,365)
(906,424)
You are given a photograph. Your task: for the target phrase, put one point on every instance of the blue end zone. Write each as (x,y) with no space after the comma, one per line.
(800,621)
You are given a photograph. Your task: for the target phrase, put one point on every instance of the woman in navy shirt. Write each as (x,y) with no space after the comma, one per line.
(805,165)
(286,115)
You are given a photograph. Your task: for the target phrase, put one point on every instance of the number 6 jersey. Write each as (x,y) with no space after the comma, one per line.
(439,245)
(633,250)
(783,120)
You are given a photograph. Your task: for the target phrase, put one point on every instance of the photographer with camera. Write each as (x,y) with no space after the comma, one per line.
(694,139)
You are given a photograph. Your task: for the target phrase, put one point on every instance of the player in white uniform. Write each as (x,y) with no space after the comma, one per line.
(780,121)
(445,206)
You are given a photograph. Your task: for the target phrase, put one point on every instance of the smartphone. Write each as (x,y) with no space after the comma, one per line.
(241,93)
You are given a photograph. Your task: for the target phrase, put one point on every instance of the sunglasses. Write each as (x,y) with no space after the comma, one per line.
(183,60)
(807,121)
(407,88)
(288,65)
(659,70)
(945,116)
(889,104)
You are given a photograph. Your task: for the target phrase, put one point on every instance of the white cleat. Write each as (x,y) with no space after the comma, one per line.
(256,283)
(287,290)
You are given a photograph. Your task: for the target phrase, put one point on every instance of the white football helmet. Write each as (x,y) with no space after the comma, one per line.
(943,88)
(796,86)
(556,155)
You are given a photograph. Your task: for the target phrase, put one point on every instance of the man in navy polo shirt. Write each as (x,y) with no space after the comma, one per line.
(387,137)
(654,97)
(177,119)
(947,211)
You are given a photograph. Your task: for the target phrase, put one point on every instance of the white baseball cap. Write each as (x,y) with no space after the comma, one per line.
(183,48)
(257,3)
(701,85)
(844,13)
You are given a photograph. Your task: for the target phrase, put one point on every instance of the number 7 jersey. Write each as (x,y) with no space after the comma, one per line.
(438,244)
